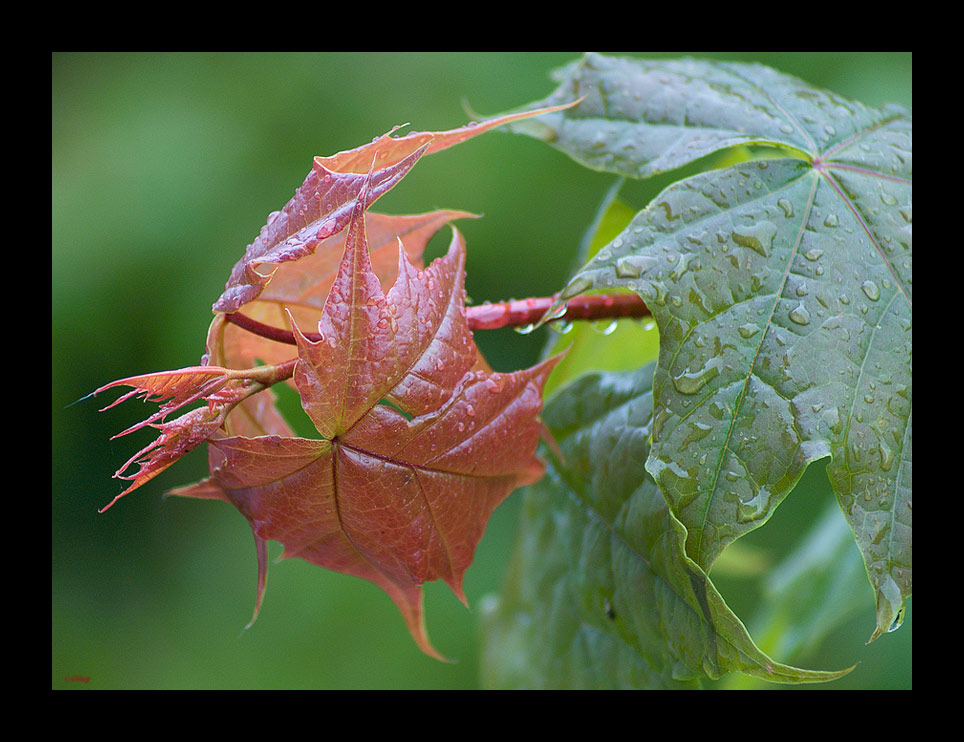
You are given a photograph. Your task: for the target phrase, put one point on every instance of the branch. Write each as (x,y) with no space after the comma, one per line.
(517,313)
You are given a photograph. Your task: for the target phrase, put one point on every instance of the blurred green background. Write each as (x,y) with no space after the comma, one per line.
(164,167)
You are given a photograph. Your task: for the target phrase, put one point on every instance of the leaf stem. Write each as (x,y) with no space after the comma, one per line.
(516,313)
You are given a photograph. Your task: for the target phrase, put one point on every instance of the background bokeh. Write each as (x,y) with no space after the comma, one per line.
(164,167)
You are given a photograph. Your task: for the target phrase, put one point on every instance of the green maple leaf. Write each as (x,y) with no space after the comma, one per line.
(782,289)
(601,593)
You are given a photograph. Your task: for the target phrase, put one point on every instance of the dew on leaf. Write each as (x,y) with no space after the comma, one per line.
(754,508)
(632,266)
(494,384)
(871,290)
(898,620)
(758,237)
(698,431)
(681,267)
(748,330)
(800,315)
(690,382)
(886,456)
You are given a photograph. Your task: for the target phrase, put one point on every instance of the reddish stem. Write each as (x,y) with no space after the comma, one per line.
(518,313)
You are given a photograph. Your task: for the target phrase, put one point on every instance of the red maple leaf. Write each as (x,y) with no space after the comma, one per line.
(287,270)
(419,442)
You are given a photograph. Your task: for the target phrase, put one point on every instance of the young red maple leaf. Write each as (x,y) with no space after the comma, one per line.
(222,389)
(322,205)
(292,254)
(419,443)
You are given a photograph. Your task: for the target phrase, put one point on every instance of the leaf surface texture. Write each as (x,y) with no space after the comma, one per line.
(782,289)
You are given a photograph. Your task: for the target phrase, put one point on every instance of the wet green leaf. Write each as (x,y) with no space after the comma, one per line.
(782,289)
(601,593)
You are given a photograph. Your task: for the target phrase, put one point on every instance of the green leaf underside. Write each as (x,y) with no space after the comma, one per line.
(781,289)
(601,593)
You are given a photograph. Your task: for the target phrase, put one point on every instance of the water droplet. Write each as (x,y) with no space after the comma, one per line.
(668,208)
(748,330)
(652,292)
(871,290)
(690,382)
(632,266)
(831,221)
(754,508)
(605,328)
(470,411)
(886,456)
(800,315)
(557,313)
(898,620)
(758,237)
(525,329)
(698,431)
(680,268)
(787,207)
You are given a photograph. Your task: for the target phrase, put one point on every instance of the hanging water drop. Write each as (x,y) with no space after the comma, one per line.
(605,328)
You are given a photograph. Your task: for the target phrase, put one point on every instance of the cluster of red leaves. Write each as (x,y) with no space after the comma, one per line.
(419,440)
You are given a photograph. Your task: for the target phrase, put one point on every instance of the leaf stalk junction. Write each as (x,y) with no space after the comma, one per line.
(493,316)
